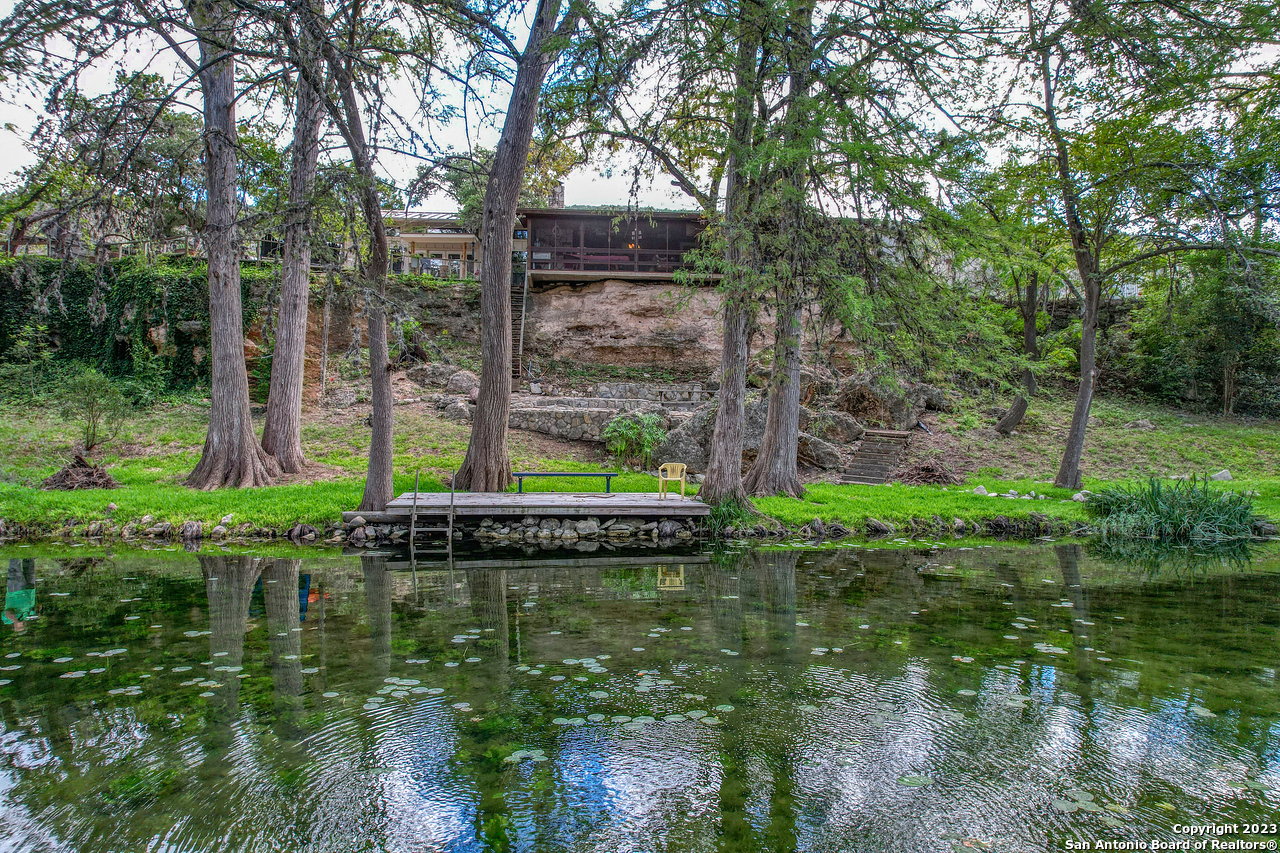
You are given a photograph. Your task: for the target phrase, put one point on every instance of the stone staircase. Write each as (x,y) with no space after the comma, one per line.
(877,458)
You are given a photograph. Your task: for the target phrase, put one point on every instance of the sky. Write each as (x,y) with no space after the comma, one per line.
(599,184)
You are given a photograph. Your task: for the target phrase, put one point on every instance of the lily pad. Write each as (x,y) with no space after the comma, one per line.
(1201,711)
(914,781)
(724,709)
(1066,806)
(966,692)
(1078,795)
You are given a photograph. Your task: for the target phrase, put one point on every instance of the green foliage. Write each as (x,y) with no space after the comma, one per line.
(135,318)
(466,178)
(1186,511)
(24,366)
(730,514)
(633,438)
(91,399)
(1209,333)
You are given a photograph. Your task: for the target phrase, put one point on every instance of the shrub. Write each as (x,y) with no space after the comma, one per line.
(94,400)
(633,438)
(1185,511)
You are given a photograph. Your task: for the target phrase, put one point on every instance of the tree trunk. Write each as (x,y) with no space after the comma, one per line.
(1069,471)
(723,482)
(487,466)
(1027,307)
(282,435)
(1087,266)
(232,456)
(775,471)
(378,484)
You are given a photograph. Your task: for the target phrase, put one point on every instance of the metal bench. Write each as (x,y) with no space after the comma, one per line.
(520,475)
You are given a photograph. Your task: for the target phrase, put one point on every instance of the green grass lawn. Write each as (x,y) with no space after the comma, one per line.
(153,455)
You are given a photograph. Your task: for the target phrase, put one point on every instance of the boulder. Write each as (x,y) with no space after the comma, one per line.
(1142,424)
(667,528)
(431,375)
(1222,475)
(192,531)
(462,382)
(458,412)
(878,528)
(690,442)
(588,527)
(834,425)
(886,401)
(817,453)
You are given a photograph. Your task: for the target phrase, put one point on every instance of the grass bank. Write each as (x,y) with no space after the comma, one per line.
(154,453)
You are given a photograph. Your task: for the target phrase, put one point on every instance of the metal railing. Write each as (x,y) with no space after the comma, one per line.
(605,260)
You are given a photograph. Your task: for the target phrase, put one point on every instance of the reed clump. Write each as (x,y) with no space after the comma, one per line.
(1185,511)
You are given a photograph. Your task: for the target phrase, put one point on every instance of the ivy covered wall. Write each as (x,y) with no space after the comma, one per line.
(132,317)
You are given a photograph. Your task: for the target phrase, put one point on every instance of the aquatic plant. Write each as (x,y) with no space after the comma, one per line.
(1187,511)
(633,438)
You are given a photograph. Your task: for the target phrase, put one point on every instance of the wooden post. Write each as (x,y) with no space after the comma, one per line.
(451,479)
(413,519)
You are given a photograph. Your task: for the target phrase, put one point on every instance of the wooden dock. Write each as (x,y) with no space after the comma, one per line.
(472,506)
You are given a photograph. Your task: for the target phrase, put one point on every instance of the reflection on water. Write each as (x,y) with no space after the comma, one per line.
(785,699)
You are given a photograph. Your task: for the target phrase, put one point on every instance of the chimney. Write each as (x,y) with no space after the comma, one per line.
(556,201)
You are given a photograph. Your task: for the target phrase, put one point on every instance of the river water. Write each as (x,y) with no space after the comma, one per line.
(905,698)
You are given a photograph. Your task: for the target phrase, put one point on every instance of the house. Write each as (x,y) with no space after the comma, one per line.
(564,244)
(434,244)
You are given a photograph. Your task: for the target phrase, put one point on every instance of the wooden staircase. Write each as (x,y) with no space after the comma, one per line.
(519,293)
(877,458)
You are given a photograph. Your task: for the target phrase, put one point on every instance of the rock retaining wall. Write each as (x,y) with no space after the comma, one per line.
(687,392)
(568,422)
(616,405)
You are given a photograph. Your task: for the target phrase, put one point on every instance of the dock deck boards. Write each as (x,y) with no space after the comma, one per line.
(550,504)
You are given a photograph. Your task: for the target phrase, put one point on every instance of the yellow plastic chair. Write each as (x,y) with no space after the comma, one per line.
(670,472)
